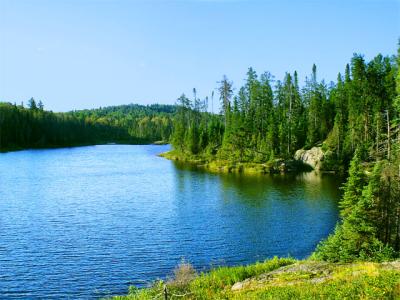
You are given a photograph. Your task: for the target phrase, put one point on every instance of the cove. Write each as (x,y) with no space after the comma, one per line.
(87,222)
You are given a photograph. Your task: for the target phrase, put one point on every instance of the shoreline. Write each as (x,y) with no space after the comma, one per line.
(49,147)
(278,166)
(278,278)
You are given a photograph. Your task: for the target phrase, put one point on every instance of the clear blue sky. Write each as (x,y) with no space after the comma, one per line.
(75,54)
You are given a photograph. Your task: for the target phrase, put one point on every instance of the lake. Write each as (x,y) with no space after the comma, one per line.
(87,222)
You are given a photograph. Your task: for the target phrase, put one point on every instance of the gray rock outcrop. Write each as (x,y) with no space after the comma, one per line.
(313,157)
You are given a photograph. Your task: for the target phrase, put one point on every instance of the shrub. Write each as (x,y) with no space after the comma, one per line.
(184,273)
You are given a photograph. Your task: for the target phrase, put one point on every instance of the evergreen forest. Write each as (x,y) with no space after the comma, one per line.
(33,127)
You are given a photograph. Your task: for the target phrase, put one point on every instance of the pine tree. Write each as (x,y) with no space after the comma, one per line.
(40,105)
(32,104)
(181,122)
(353,187)
(225,91)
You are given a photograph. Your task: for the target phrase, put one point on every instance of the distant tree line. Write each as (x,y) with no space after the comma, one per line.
(150,123)
(33,127)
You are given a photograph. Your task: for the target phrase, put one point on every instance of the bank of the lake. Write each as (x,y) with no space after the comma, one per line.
(214,164)
(39,146)
(279,279)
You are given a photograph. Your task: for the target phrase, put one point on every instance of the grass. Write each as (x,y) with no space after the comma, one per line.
(280,278)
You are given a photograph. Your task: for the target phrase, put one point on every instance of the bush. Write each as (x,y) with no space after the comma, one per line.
(184,273)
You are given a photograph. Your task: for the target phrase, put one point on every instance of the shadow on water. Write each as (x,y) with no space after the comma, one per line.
(255,189)
(258,216)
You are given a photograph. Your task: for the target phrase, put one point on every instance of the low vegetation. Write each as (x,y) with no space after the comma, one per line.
(211,164)
(283,278)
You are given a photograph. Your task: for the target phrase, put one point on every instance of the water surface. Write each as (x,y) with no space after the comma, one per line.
(87,222)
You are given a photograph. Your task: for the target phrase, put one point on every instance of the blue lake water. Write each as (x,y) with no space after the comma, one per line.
(87,222)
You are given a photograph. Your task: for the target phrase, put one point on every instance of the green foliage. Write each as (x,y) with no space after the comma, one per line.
(227,276)
(195,130)
(370,208)
(382,286)
(353,187)
(34,127)
(262,121)
(319,118)
(286,279)
(357,117)
(149,123)
(213,284)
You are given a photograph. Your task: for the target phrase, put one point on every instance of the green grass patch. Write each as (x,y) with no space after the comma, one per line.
(280,278)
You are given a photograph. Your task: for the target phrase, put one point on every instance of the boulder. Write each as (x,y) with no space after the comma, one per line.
(313,157)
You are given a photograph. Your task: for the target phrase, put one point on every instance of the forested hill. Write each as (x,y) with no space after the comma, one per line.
(148,122)
(120,111)
(34,127)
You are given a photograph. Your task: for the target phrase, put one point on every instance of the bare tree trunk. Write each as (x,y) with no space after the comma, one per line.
(338,142)
(388,204)
(397,240)
(290,122)
(388,134)
(366,128)
(397,194)
(377,134)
